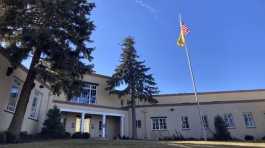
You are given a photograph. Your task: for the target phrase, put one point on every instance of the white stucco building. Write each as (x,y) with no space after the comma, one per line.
(108,116)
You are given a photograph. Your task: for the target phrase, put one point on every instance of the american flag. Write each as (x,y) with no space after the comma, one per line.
(185,29)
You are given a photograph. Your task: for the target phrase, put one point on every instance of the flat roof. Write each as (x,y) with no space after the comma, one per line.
(210,92)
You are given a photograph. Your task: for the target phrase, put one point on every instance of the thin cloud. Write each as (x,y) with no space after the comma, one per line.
(146,6)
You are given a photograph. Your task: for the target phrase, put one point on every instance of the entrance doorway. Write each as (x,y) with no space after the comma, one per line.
(87,123)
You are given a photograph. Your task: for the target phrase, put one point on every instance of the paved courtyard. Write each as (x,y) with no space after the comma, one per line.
(132,144)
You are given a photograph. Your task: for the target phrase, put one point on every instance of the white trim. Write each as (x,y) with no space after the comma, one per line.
(122,126)
(39,96)
(227,120)
(82,122)
(19,84)
(159,124)
(90,112)
(251,118)
(103,126)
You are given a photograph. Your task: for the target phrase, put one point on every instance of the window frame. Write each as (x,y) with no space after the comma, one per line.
(160,123)
(229,120)
(138,123)
(88,94)
(100,125)
(205,121)
(19,85)
(249,114)
(93,89)
(77,124)
(37,95)
(186,122)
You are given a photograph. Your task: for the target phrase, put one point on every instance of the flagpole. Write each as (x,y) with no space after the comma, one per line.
(194,87)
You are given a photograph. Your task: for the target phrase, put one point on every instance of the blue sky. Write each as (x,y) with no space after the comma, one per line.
(227,41)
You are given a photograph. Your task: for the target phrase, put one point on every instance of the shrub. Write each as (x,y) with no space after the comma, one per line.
(24,136)
(79,135)
(166,138)
(76,135)
(263,138)
(67,135)
(3,138)
(174,137)
(52,127)
(221,130)
(86,135)
(125,137)
(178,137)
(249,137)
(6,137)
(190,139)
(10,138)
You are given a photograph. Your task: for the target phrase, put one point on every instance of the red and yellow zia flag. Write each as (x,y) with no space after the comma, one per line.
(183,31)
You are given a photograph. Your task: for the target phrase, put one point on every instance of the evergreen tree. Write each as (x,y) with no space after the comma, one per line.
(52,126)
(221,130)
(134,74)
(55,34)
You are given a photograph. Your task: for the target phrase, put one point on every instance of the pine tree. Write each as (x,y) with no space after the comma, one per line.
(134,74)
(55,34)
(52,126)
(221,130)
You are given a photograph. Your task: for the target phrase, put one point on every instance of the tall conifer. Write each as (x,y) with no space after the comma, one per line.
(56,35)
(134,74)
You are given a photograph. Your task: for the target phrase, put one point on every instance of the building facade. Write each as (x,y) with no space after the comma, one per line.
(103,115)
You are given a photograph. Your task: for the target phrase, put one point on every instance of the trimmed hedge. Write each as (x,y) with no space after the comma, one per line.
(3,138)
(249,137)
(79,135)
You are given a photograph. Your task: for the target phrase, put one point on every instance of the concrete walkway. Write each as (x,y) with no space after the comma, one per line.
(219,143)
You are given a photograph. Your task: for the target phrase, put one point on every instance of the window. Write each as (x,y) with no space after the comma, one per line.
(122,103)
(35,105)
(86,125)
(185,122)
(155,123)
(77,124)
(138,124)
(159,123)
(229,121)
(13,95)
(88,94)
(249,120)
(64,121)
(205,121)
(93,94)
(100,125)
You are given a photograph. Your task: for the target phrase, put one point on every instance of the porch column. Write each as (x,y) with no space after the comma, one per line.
(103,126)
(82,122)
(121,126)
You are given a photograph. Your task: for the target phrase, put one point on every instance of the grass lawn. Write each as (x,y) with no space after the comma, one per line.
(132,144)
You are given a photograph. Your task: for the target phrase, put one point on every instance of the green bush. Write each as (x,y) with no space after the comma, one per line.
(52,127)
(3,138)
(178,136)
(25,136)
(79,135)
(125,138)
(6,137)
(10,138)
(263,138)
(249,137)
(67,135)
(221,131)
